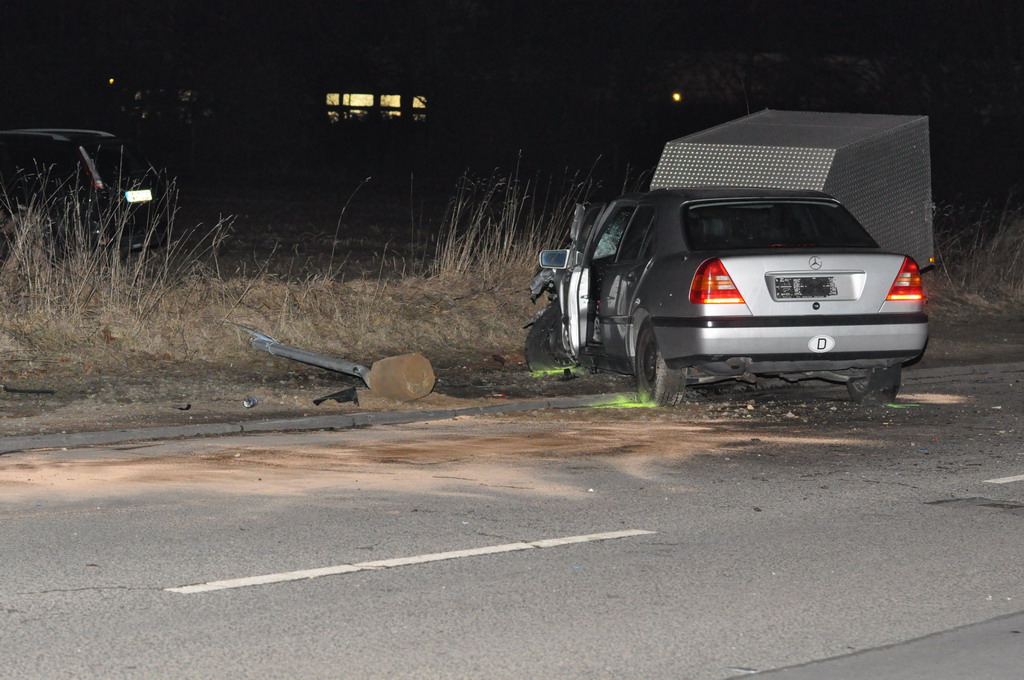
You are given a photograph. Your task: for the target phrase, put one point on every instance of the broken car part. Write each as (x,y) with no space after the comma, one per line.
(348,394)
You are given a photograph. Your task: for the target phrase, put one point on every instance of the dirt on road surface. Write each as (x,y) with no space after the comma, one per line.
(523,453)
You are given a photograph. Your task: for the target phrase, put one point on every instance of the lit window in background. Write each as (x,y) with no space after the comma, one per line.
(363,106)
(677,96)
(358,100)
(391,105)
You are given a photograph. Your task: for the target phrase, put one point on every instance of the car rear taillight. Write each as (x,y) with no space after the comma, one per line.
(90,170)
(712,285)
(907,285)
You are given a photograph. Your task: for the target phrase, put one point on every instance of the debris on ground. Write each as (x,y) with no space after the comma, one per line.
(346,395)
(13,390)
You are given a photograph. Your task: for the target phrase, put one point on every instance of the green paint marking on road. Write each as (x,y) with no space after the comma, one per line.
(626,402)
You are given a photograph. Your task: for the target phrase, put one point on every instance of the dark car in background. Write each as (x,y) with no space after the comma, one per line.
(90,187)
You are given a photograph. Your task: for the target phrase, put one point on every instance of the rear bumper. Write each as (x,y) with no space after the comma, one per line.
(783,344)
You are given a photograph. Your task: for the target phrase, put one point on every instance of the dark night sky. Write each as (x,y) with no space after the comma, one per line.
(558,83)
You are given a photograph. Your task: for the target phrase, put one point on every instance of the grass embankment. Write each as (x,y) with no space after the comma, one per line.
(175,304)
(92,306)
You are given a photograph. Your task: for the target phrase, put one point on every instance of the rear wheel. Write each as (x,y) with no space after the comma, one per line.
(545,350)
(879,386)
(655,381)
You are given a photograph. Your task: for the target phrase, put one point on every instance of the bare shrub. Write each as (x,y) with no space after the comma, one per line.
(496,226)
(979,253)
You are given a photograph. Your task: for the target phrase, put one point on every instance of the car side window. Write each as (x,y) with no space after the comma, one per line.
(608,244)
(636,232)
(34,157)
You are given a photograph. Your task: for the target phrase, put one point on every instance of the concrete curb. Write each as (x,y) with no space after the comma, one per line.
(66,440)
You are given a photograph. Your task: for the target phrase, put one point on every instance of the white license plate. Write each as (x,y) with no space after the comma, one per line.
(788,288)
(138,196)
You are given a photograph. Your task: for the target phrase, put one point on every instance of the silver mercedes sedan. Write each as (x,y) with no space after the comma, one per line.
(684,287)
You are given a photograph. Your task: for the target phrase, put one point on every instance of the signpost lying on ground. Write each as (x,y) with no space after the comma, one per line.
(400,378)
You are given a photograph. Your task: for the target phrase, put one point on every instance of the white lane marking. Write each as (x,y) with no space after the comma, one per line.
(1005,480)
(437,557)
(399,562)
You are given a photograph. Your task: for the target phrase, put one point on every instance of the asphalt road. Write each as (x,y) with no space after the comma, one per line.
(797,530)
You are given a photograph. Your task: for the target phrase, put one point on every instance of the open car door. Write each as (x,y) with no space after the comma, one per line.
(575,290)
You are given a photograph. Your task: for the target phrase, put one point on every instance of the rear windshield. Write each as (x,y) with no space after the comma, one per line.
(115,161)
(741,225)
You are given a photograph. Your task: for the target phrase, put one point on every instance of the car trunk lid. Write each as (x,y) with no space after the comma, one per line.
(783,284)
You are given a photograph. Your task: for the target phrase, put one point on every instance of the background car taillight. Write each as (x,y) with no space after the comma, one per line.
(907,285)
(90,170)
(712,285)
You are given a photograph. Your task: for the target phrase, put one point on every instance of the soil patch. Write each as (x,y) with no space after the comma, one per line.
(472,457)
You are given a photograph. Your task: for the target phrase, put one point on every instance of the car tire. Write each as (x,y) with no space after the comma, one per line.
(879,386)
(545,350)
(656,383)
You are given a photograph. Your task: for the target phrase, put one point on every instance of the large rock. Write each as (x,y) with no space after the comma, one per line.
(401,378)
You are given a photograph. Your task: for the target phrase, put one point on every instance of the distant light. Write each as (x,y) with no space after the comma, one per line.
(677,96)
(110,81)
(360,100)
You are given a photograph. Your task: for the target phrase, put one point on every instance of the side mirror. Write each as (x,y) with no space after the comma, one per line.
(554,259)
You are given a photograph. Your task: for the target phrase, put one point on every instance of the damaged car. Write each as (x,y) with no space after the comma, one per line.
(91,187)
(747,260)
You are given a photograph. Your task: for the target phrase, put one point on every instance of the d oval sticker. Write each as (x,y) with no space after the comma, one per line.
(821,344)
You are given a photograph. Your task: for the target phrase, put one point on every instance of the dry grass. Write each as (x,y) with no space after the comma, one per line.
(66,291)
(496,226)
(979,256)
(93,306)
